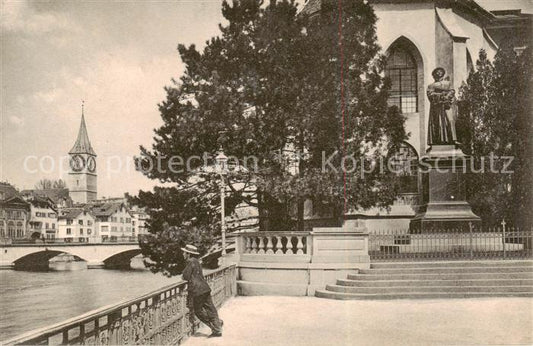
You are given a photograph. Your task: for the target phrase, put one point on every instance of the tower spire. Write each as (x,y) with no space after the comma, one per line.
(83,144)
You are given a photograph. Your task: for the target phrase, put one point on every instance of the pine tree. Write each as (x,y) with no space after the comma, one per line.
(274,82)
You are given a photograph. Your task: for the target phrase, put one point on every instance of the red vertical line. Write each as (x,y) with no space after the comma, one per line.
(341,52)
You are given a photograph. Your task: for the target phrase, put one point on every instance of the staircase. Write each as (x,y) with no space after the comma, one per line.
(457,279)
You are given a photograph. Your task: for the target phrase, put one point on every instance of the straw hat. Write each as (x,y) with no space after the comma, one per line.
(190,249)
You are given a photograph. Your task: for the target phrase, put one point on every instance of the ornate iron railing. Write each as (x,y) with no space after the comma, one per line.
(157,318)
(498,242)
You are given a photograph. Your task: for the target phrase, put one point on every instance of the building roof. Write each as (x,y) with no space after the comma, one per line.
(56,195)
(82,145)
(105,209)
(511,26)
(313,6)
(15,202)
(41,201)
(11,198)
(7,191)
(72,213)
(112,200)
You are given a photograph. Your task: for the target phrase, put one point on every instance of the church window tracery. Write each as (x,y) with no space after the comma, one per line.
(401,69)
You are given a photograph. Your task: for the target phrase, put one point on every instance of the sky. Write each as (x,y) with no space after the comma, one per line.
(117,56)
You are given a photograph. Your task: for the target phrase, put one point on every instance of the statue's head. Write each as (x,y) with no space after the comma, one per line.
(438,73)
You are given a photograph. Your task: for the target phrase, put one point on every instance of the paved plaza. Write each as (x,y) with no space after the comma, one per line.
(312,321)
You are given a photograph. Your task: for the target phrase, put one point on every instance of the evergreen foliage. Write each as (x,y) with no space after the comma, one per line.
(495,119)
(274,83)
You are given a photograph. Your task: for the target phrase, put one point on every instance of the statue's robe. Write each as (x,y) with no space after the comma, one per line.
(441,112)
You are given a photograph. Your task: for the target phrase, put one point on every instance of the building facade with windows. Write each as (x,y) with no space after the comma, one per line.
(77,225)
(14,214)
(419,36)
(139,221)
(416,37)
(43,218)
(114,220)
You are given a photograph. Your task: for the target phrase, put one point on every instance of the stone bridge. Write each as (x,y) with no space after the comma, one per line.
(100,255)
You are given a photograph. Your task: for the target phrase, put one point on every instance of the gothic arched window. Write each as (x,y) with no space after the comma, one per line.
(401,69)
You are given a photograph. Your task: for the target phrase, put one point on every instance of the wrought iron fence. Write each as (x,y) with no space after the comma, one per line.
(157,318)
(447,244)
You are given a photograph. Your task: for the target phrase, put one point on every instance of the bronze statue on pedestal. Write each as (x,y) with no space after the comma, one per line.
(443,110)
(443,204)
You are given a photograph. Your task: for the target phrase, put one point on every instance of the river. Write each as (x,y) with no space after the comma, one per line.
(30,300)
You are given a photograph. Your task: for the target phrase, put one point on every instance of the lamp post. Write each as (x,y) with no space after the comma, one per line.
(221,162)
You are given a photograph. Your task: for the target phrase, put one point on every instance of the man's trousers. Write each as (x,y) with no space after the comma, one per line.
(206,312)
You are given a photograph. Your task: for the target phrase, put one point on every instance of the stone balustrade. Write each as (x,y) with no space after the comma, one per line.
(157,318)
(297,263)
(275,243)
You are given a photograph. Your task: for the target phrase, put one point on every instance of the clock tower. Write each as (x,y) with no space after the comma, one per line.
(82,173)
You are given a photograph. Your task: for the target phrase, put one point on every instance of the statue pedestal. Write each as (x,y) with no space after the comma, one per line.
(443,206)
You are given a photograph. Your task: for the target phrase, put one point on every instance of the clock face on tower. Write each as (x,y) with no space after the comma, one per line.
(91,164)
(77,163)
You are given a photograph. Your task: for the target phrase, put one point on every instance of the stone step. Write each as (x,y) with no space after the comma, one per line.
(434,264)
(443,276)
(417,295)
(425,283)
(434,289)
(438,270)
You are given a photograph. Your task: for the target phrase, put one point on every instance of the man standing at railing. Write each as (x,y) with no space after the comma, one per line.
(199,295)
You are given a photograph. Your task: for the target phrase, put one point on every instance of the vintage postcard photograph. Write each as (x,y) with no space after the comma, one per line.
(266,172)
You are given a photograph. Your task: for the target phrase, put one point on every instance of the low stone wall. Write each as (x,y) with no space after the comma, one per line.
(296,264)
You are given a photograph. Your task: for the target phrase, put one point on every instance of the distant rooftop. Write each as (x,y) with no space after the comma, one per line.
(70,213)
(56,195)
(104,209)
(313,6)
(7,191)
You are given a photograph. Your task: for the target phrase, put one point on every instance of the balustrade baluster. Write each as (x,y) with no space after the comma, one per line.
(279,246)
(269,246)
(254,245)
(261,246)
(288,246)
(300,246)
(247,245)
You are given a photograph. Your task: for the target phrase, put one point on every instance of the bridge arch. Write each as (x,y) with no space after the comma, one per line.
(96,255)
(38,260)
(121,260)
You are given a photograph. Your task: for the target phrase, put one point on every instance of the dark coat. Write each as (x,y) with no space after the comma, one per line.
(196,283)
(442,102)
